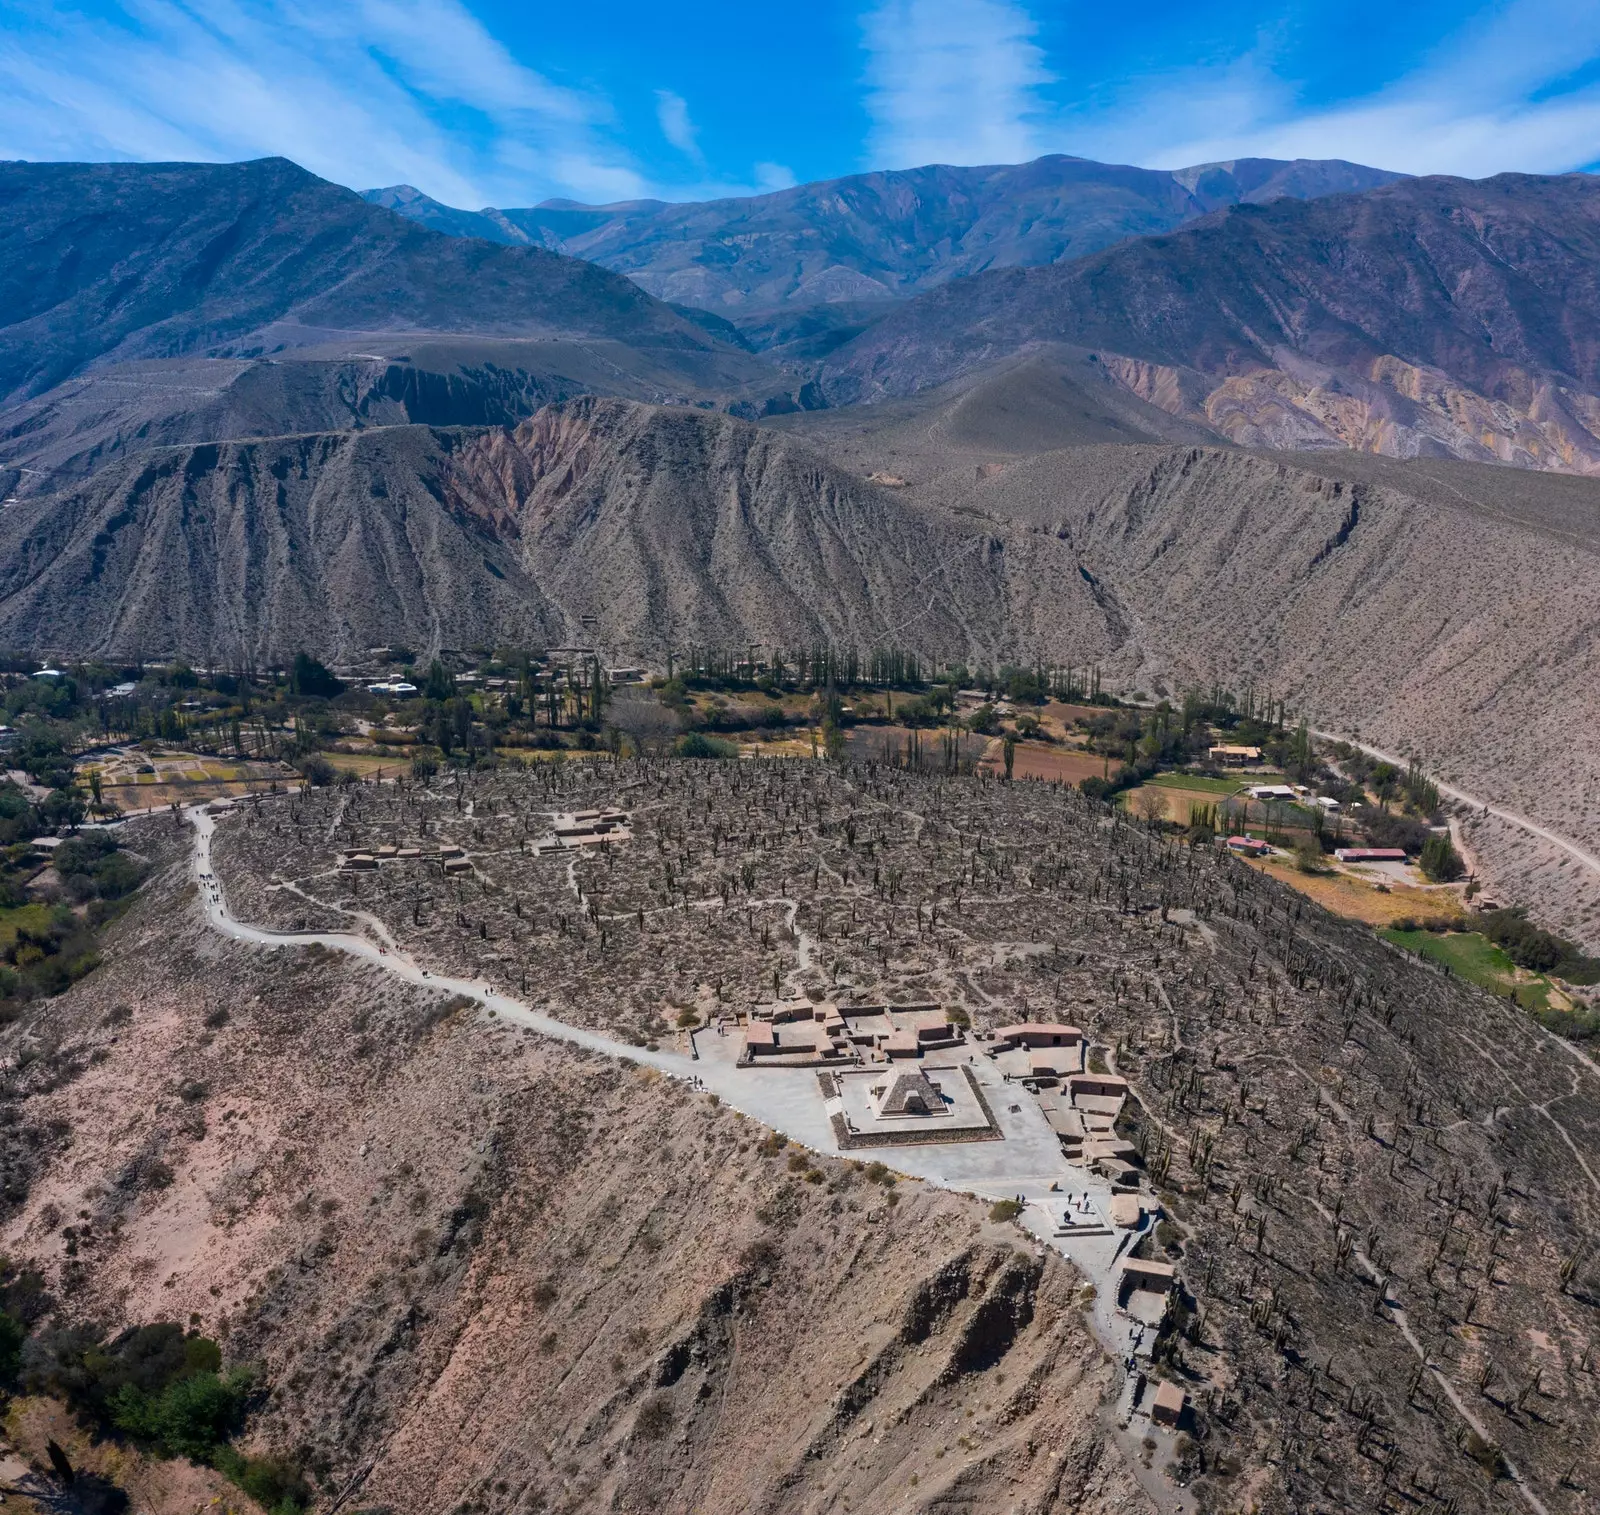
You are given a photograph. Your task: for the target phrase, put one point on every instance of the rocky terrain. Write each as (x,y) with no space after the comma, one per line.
(668,525)
(489,1273)
(85,423)
(882,236)
(197,462)
(1361,593)
(486,1272)
(1426,317)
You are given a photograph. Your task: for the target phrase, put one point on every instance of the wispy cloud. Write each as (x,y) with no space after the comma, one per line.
(362,91)
(774,176)
(967,81)
(672,113)
(1506,92)
(952,81)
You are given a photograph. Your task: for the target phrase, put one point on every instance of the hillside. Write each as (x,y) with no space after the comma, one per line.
(113,262)
(1421,617)
(494,1260)
(1430,606)
(1428,317)
(486,1271)
(877,236)
(91,420)
(665,525)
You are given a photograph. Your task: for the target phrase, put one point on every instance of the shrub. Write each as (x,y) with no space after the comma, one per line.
(696,744)
(83,853)
(190,1417)
(13,1334)
(1523,942)
(309,679)
(317,771)
(1004,1210)
(654,1419)
(1395,831)
(1308,858)
(1486,1454)
(276,1483)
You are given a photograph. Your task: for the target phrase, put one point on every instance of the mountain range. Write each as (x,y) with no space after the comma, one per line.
(250,410)
(106,263)
(1429,316)
(1296,305)
(248,413)
(882,236)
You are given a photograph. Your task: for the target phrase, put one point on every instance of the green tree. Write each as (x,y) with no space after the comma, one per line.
(1440,861)
(983,720)
(308,679)
(438,685)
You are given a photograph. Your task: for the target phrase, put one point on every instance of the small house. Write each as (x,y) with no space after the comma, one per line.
(1039,1034)
(902,1044)
(1167,1408)
(1142,1273)
(760,1039)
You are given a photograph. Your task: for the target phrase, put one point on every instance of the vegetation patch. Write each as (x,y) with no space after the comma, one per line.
(166,1391)
(1473,956)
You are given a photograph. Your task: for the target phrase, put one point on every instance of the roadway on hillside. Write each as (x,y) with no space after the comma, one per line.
(1511,817)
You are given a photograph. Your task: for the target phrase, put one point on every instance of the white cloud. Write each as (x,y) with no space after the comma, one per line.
(952,81)
(365,92)
(965,81)
(1420,136)
(773,177)
(672,112)
(1489,99)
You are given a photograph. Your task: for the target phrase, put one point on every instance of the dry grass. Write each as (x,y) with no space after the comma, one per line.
(1348,897)
(1176,804)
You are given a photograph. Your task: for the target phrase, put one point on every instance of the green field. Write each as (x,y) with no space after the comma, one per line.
(1476,959)
(1197,783)
(33,920)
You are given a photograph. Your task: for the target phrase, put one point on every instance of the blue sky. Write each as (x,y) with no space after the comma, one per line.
(506,102)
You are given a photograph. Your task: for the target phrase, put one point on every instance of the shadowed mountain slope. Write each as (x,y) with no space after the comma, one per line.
(665,525)
(1431,316)
(124,261)
(878,236)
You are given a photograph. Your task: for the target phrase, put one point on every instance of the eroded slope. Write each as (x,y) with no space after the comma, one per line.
(488,1273)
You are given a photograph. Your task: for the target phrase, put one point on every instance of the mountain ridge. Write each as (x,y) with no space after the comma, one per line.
(110,262)
(883,235)
(1427,316)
